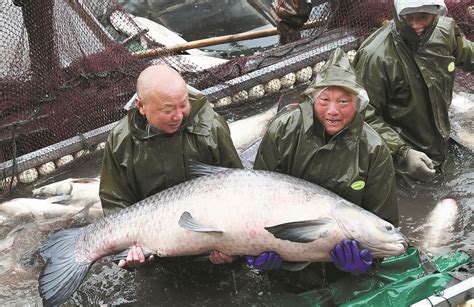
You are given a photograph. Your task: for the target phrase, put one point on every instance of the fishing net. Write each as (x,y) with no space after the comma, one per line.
(68,68)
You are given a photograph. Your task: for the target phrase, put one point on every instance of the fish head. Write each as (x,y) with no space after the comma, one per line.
(380,237)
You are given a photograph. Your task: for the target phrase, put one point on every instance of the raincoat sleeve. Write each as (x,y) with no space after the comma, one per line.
(377,87)
(267,158)
(277,144)
(464,51)
(379,195)
(114,192)
(225,153)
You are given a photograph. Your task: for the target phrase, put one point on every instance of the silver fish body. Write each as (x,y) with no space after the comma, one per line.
(238,212)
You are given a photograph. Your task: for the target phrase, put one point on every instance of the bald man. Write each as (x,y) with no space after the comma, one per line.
(148,150)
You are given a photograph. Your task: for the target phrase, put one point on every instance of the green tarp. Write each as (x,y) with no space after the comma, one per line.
(399,281)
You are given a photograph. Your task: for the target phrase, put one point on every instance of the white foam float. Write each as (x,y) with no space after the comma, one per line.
(317,67)
(257,91)
(81,153)
(64,160)
(241,96)
(28,176)
(272,86)
(46,168)
(304,74)
(288,80)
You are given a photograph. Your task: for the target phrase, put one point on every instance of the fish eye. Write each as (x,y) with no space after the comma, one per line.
(389,227)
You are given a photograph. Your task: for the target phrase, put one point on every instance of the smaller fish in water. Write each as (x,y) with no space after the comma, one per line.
(461,118)
(438,230)
(37,209)
(80,192)
(247,134)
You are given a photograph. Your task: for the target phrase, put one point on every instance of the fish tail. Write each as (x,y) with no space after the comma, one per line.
(62,273)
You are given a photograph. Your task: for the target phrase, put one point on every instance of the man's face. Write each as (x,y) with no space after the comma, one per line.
(335,109)
(418,21)
(166,112)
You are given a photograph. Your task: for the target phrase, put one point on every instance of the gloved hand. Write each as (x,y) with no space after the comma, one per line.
(347,257)
(419,166)
(265,261)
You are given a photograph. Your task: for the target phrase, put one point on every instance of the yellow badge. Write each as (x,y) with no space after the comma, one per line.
(358,185)
(451,67)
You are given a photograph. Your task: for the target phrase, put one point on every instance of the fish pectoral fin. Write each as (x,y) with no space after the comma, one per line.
(294,266)
(301,232)
(188,222)
(58,199)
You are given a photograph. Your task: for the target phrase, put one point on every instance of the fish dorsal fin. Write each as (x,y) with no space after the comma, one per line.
(301,232)
(294,266)
(188,222)
(198,169)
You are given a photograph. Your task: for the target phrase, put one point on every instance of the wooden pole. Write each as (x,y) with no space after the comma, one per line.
(214,41)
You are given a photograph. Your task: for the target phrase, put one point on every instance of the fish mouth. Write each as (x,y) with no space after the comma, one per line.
(394,248)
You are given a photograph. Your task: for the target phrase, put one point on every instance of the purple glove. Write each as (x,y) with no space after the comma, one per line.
(348,258)
(264,261)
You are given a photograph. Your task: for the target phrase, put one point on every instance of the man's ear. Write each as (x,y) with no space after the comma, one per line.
(140,106)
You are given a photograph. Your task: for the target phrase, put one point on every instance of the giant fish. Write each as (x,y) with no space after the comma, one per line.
(235,211)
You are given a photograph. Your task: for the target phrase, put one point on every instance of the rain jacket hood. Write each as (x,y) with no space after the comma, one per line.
(403,7)
(403,30)
(337,71)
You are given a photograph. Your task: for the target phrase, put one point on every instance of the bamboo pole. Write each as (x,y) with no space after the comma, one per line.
(214,41)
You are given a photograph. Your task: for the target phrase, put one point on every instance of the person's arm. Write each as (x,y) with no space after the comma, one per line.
(464,51)
(268,156)
(380,196)
(114,192)
(377,86)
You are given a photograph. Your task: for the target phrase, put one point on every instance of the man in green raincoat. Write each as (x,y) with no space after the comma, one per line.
(408,68)
(324,140)
(148,150)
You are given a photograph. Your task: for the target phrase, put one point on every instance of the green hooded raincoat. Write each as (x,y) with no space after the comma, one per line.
(139,163)
(409,79)
(355,163)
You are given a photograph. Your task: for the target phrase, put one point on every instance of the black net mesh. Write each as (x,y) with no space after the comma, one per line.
(68,67)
